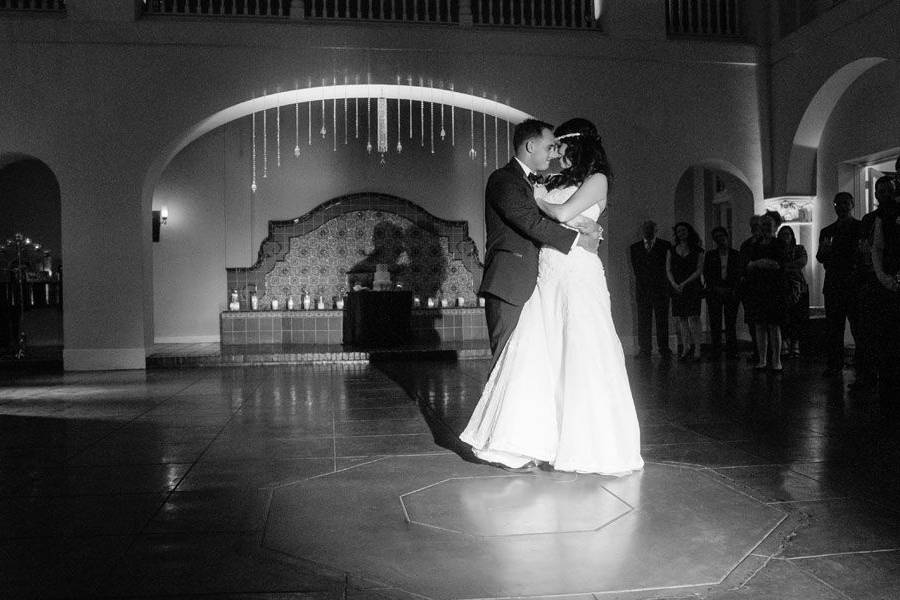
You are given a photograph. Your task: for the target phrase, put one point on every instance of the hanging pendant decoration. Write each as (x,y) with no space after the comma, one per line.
(472,152)
(431,114)
(368,118)
(297,129)
(443,132)
(452,121)
(345,109)
(399,144)
(356,102)
(484,135)
(496,145)
(422,116)
(278,136)
(309,118)
(265,148)
(409,83)
(334,118)
(382,127)
(253,156)
(323,131)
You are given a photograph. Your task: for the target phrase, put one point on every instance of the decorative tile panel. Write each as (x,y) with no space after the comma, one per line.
(338,244)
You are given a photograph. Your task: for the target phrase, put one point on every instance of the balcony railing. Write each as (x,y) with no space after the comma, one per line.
(33,6)
(219,8)
(704,18)
(568,14)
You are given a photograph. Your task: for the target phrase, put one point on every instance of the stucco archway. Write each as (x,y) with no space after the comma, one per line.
(801,171)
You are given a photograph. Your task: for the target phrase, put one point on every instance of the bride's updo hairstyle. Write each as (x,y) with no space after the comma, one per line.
(584,151)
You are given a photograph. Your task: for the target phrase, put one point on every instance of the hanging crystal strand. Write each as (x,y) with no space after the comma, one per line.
(399,144)
(431,114)
(472,153)
(368,114)
(496,143)
(309,117)
(452,121)
(422,115)
(356,103)
(323,131)
(265,147)
(297,129)
(508,144)
(278,135)
(484,133)
(409,83)
(382,135)
(443,132)
(253,156)
(334,117)
(345,109)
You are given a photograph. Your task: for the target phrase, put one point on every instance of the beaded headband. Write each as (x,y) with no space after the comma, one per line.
(568,135)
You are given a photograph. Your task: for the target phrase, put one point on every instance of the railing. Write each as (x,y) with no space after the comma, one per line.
(704,18)
(218,8)
(407,11)
(35,6)
(567,14)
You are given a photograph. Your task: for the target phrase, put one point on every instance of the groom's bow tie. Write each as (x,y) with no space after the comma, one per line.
(536,179)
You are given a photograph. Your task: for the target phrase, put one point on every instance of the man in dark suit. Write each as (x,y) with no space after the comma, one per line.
(648,260)
(838,250)
(722,273)
(516,230)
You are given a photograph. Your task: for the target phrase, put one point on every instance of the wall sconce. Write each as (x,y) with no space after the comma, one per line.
(160,217)
(156,223)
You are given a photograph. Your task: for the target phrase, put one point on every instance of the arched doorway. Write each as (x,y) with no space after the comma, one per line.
(30,259)
(714,193)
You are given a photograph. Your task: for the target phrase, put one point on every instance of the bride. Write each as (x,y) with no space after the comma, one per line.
(558,392)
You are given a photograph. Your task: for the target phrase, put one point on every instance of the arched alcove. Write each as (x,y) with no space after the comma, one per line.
(267,159)
(31,240)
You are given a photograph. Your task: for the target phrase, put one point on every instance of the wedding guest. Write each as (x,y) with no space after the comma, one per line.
(744,252)
(684,266)
(797,317)
(765,281)
(721,274)
(648,261)
(886,265)
(838,247)
(867,292)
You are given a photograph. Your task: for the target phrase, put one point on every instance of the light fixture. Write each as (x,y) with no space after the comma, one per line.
(164,214)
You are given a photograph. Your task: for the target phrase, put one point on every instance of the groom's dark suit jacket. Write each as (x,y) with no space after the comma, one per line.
(516,230)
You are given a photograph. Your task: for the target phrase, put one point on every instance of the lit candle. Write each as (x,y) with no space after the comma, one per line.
(430,303)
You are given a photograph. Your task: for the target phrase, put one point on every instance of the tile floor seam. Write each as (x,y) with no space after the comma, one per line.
(820,580)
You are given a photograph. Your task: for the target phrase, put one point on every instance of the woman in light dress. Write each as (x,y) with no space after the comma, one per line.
(559,393)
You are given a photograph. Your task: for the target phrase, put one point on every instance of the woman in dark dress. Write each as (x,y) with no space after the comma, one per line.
(684,264)
(798,293)
(767,290)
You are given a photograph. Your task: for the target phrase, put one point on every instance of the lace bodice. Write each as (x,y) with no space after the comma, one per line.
(560,195)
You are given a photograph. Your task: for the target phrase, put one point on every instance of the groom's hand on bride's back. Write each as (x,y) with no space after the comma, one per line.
(590,242)
(585,226)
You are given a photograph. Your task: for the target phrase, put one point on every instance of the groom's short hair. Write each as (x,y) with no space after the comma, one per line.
(527,129)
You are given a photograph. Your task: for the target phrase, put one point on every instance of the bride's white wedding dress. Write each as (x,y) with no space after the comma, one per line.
(559,391)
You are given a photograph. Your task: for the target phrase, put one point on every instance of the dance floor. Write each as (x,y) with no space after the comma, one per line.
(347,481)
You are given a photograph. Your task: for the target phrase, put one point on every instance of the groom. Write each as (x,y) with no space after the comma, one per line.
(516,230)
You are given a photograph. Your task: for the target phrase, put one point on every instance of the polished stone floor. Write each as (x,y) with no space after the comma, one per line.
(347,481)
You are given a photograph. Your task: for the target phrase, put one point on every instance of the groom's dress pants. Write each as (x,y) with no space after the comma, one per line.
(502,318)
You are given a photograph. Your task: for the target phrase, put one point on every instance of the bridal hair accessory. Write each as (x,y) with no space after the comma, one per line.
(568,135)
